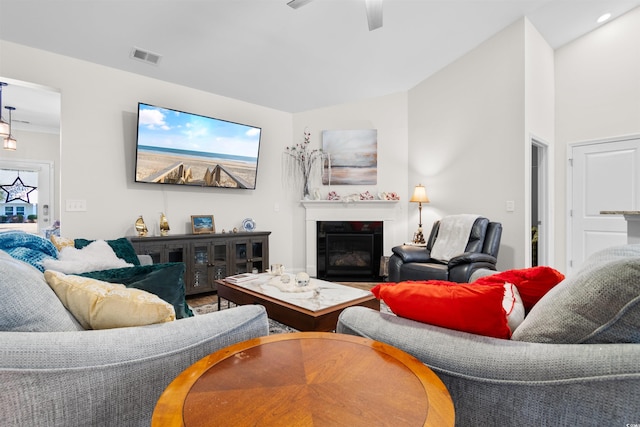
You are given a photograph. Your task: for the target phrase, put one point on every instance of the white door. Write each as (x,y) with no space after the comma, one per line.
(41,200)
(605,176)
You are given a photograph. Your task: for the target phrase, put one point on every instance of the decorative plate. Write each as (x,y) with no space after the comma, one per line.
(248,224)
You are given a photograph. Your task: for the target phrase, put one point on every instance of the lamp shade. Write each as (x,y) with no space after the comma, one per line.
(10,143)
(419,194)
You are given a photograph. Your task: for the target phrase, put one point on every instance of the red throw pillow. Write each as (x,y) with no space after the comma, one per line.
(463,307)
(532,283)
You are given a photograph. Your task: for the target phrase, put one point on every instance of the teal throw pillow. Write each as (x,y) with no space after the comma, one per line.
(122,248)
(164,280)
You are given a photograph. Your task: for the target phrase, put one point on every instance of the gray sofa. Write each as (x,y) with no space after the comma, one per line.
(53,373)
(575,360)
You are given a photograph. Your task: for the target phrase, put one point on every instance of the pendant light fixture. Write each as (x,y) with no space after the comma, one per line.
(5,128)
(10,142)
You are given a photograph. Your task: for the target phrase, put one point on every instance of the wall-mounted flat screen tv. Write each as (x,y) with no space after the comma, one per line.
(174,147)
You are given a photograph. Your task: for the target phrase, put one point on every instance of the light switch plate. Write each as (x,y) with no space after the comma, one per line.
(510,206)
(76,205)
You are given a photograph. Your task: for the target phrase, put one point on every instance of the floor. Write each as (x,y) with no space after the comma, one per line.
(212,297)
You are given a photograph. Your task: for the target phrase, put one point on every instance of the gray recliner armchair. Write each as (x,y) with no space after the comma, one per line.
(416,263)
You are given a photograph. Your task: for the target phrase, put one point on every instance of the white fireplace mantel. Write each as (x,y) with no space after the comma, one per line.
(386,211)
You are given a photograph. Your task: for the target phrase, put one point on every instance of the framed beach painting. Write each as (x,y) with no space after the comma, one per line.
(202,224)
(354,157)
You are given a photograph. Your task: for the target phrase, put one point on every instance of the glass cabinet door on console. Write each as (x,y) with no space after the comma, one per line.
(154,250)
(175,252)
(200,278)
(220,251)
(161,252)
(209,260)
(250,255)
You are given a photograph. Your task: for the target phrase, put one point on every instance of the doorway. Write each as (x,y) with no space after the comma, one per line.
(30,174)
(539,203)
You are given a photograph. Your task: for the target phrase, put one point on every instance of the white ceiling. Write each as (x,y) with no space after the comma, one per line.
(266,53)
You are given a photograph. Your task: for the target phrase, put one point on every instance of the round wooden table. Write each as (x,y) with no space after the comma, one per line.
(306,379)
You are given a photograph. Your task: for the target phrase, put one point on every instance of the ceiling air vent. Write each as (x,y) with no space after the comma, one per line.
(145,56)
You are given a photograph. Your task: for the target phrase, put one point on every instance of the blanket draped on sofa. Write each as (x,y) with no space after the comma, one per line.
(29,248)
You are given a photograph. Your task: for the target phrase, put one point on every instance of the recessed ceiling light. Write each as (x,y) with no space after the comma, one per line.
(603,18)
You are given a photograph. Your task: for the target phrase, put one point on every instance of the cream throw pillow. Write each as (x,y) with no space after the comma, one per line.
(101,305)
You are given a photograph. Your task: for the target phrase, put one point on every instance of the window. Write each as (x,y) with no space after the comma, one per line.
(23,202)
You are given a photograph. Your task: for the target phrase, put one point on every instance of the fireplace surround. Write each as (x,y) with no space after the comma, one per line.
(386,211)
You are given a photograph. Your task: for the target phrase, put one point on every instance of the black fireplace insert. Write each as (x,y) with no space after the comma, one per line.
(349,250)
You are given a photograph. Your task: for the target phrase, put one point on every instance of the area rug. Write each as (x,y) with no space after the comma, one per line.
(274,326)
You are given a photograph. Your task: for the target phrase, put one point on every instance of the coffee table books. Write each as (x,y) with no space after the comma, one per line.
(240,278)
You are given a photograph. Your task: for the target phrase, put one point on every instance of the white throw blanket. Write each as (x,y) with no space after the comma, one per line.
(453,236)
(95,256)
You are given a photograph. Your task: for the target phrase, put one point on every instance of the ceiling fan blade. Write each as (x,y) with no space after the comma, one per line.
(297,3)
(374,13)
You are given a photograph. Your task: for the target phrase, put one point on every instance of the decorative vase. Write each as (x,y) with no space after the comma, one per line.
(305,190)
(302,164)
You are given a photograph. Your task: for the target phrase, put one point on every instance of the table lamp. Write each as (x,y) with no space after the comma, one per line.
(419,196)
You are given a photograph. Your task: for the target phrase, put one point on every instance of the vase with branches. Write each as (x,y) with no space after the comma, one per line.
(303,163)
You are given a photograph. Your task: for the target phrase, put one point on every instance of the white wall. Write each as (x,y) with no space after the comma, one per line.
(465,138)
(470,127)
(597,97)
(387,114)
(98,134)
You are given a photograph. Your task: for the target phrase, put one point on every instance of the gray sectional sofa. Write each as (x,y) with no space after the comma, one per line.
(574,361)
(53,373)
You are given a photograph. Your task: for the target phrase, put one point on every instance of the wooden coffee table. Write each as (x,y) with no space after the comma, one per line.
(315,310)
(306,379)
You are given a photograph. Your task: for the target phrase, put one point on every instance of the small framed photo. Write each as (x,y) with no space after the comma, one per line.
(202,224)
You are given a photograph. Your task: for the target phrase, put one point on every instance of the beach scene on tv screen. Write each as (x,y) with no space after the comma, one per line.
(175,147)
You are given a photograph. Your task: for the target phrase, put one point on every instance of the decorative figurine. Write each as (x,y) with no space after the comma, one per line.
(302,279)
(164,225)
(141,228)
